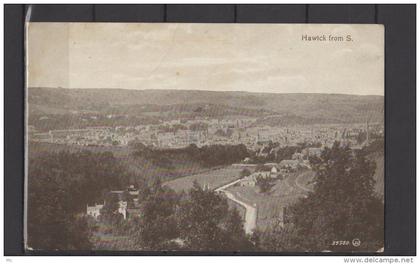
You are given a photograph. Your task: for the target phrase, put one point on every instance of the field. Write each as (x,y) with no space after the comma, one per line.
(214,178)
(270,206)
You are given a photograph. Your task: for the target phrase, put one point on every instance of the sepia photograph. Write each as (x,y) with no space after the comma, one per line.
(195,137)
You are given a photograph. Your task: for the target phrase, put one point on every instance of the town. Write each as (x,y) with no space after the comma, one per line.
(261,140)
(204,131)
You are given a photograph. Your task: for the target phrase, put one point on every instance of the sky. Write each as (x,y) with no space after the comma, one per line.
(217,57)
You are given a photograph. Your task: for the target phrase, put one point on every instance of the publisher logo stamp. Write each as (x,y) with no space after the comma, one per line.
(356,242)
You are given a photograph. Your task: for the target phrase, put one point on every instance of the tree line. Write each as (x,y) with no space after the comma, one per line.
(207,156)
(60,185)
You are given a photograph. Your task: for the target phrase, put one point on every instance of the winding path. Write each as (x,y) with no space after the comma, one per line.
(251,211)
(293,184)
(222,188)
(300,185)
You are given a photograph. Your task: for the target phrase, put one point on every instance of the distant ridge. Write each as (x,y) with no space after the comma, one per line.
(191,90)
(322,108)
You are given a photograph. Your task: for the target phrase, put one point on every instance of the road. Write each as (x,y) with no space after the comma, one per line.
(250,215)
(300,185)
(227,185)
(251,211)
(294,185)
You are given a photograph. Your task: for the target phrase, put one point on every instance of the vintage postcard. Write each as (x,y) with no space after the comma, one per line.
(204,137)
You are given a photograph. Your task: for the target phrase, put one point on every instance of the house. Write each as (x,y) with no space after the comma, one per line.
(94,211)
(274,170)
(247,160)
(248,181)
(123,206)
(133,191)
(122,209)
(252,179)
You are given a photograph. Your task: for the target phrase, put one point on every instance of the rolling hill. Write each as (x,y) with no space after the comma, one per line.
(290,108)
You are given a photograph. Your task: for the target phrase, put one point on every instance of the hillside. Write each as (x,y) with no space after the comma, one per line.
(291,108)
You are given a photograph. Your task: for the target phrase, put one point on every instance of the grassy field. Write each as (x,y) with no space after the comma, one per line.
(214,178)
(270,205)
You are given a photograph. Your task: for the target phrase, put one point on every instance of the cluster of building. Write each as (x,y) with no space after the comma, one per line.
(280,170)
(100,136)
(204,131)
(128,204)
(168,134)
(325,134)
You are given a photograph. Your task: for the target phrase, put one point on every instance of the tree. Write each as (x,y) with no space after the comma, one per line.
(234,233)
(287,152)
(376,146)
(265,184)
(343,205)
(199,216)
(361,137)
(61,184)
(110,210)
(51,224)
(206,223)
(245,172)
(79,233)
(157,226)
(276,239)
(126,196)
(262,167)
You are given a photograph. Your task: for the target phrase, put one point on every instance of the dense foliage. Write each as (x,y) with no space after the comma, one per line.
(199,220)
(60,186)
(156,229)
(207,224)
(273,152)
(342,207)
(265,184)
(207,156)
